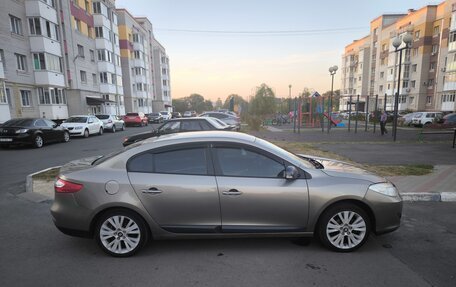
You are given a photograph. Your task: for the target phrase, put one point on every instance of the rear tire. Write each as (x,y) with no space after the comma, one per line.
(344,227)
(100,132)
(38,141)
(121,233)
(113,128)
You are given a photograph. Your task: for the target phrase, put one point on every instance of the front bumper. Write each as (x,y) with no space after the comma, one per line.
(387,211)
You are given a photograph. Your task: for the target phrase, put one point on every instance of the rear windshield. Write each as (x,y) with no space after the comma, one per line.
(132,114)
(103,117)
(18,123)
(217,123)
(104,158)
(76,120)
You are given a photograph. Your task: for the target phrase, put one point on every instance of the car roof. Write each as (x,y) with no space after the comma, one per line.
(201,136)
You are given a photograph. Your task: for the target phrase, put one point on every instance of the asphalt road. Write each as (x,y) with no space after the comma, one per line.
(34,253)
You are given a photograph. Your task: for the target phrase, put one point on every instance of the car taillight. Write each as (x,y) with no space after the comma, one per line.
(64,186)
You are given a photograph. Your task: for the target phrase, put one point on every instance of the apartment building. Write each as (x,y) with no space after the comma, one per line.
(63,57)
(423,71)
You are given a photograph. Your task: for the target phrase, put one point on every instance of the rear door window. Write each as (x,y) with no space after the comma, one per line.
(192,161)
(190,126)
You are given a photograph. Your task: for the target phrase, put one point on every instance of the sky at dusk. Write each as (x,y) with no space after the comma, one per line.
(217,48)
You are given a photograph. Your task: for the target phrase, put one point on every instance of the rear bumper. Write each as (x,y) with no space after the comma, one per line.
(16,139)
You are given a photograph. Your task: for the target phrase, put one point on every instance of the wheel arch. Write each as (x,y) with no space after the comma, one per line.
(356,202)
(103,211)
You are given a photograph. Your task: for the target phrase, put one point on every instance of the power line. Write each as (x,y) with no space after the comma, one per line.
(270,32)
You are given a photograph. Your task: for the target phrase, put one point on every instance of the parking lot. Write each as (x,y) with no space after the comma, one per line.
(418,254)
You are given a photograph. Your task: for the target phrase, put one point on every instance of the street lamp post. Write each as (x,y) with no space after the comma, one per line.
(407,40)
(332,72)
(289,98)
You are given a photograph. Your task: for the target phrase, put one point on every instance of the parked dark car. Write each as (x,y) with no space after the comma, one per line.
(227,118)
(180,125)
(449,120)
(155,118)
(30,131)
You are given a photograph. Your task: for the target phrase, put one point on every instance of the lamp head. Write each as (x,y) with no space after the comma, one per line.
(408,38)
(397,42)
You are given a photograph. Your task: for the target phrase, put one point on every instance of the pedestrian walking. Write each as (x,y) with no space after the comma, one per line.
(383,119)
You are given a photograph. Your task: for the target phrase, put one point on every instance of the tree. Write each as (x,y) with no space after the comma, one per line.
(218,104)
(335,99)
(238,101)
(264,102)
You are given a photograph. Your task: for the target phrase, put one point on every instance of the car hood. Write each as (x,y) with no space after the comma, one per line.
(79,164)
(69,125)
(338,168)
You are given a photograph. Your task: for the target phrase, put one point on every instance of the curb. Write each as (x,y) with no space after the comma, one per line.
(29,178)
(428,196)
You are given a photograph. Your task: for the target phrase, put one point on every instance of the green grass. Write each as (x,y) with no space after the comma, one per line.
(49,175)
(382,170)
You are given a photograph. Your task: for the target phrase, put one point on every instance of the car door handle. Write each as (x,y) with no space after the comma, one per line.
(152,190)
(232,192)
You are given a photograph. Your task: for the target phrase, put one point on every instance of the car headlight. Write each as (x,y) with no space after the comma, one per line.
(22,131)
(385,188)
(78,128)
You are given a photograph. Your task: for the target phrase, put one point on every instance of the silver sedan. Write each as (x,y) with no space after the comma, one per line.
(218,184)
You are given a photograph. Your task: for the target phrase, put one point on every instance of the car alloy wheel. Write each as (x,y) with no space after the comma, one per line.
(121,233)
(38,141)
(66,136)
(113,128)
(86,133)
(344,228)
(100,132)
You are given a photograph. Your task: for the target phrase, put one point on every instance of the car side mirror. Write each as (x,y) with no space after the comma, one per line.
(291,173)
(54,126)
(90,121)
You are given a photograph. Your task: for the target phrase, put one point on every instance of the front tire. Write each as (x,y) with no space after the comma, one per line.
(100,132)
(86,133)
(344,227)
(113,128)
(66,137)
(38,142)
(121,233)
(123,127)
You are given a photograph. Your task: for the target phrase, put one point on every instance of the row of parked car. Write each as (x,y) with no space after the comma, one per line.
(37,131)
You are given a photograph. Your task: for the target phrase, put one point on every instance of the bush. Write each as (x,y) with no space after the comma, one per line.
(254,122)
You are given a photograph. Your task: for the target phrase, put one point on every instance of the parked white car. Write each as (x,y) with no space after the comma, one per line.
(425,118)
(166,115)
(82,125)
(112,122)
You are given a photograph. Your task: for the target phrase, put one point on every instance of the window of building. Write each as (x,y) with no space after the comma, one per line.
(2,59)
(435,48)
(380,88)
(436,30)
(412,84)
(99,32)
(417,35)
(16,25)
(39,62)
(406,71)
(94,79)
(81,51)
(104,77)
(83,76)
(432,66)
(25,98)
(96,8)
(87,6)
(382,74)
(92,55)
(77,26)
(35,26)
(137,54)
(414,52)
(428,100)
(21,62)
(431,83)
(389,86)
(391,71)
(113,79)
(43,96)
(414,67)
(405,84)
(164,82)
(452,37)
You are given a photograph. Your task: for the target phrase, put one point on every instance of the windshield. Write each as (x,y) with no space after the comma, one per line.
(280,152)
(164,113)
(217,123)
(103,117)
(154,114)
(76,120)
(18,123)
(132,114)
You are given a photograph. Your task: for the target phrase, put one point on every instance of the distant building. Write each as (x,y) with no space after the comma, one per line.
(428,76)
(59,58)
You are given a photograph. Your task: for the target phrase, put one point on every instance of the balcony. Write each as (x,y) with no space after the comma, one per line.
(102,43)
(451,66)
(139,63)
(44,44)
(2,73)
(452,46)
(448,106)
(38,8)
(108,89)
(106,67)
(55,112)
(138,46)
(101,20)
(47,78)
